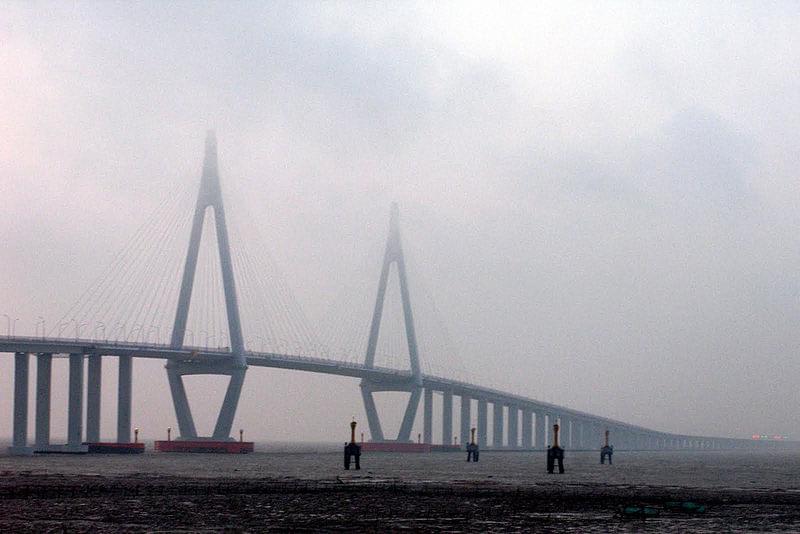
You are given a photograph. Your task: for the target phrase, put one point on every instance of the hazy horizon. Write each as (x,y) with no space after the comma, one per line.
(598,200)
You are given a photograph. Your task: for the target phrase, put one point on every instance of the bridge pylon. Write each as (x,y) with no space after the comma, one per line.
(393,255)
(209,196)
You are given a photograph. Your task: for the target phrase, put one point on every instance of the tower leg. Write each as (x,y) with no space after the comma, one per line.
(124,393)
(44,371)
(374,422)
(75,415)
(93,389)
(411,413)
(222,430)
(182,411)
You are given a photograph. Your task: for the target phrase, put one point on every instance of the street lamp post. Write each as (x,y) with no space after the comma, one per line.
(41,321)
(78,327)
(190,336)
(99,326)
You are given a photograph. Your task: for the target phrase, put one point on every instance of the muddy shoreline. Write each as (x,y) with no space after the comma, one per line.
(31,502)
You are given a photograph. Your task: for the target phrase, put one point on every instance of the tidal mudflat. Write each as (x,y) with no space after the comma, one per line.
(309,490)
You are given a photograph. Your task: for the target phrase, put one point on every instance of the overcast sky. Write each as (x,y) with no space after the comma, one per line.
(600,198)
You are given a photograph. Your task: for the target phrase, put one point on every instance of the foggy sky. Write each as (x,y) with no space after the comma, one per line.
(600,197)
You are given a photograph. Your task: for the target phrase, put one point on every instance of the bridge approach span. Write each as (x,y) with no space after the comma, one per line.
(581,429)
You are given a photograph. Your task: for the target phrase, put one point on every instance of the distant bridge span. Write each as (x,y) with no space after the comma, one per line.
(517,421)
(582,430)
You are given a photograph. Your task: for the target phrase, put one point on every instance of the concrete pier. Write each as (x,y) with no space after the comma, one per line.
(75,413)
(93,389)
(466,418)
(497,424)
(539,438)
(124,395)
(527,429)
(44,373)
(548,429)
(427,417)
(19,445)
(447,418)
(483,423)
(566,433)
(513,427)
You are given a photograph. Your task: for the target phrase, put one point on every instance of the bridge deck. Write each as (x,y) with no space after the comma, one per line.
(384,376)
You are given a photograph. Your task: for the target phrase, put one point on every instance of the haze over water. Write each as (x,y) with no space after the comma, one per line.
(600,200)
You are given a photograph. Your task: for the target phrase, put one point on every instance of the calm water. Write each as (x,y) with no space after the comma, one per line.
(751,470)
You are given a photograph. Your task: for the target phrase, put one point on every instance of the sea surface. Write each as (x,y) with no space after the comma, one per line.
(762,470)
(304,487)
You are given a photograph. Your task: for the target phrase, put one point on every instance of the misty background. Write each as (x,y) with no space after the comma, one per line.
(599,199)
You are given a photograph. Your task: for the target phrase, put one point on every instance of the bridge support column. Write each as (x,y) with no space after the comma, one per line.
(566,433)
(573,433)
(19,444)
(482,423)
(44,372)
(627,442)
(539,436)
(93,389)
(548,429)
(427,417)
(497,424)
(75,408)
(527,429)
(513,427)
(124,397)
(447,418)
(466,420)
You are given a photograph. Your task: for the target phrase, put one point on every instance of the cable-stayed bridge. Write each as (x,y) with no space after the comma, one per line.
(215,328)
